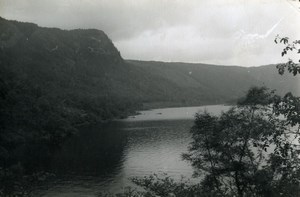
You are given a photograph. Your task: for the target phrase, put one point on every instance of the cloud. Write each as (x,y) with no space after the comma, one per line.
(220,31)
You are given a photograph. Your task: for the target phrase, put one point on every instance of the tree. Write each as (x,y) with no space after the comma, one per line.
(289,106)
(246,151)
(292,66)
(251,150)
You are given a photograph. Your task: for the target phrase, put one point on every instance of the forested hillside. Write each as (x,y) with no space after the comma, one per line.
(83,66)
(53,80)
(196,84)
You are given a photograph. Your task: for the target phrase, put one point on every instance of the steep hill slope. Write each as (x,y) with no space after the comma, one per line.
(83,64)
(75,65)
(53,80)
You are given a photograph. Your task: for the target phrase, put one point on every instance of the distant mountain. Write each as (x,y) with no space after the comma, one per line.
(211,84)
(52,81)
(83,64)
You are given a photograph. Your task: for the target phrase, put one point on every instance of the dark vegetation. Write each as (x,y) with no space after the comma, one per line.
(50,84)
(292,66)
(247,151)
(53,81)
(251,150)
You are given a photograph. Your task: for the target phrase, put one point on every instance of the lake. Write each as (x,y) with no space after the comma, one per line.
(103,158)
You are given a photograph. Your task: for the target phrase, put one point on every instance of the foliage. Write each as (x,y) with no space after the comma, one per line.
(165,186)
(292,66)
(251,150)
(52,81)
(247,151)
(34,123)
(128,192)
(44,98)
(14,183)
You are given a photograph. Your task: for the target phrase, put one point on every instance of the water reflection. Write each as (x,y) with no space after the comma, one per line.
(103,158)
(93,151)
(157,148)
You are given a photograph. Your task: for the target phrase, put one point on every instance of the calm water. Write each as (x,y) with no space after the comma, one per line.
(104,158)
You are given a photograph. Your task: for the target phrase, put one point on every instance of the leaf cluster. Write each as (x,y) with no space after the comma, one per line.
(291,66)
(248,150)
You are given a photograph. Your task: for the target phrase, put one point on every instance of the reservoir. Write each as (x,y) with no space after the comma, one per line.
(104,158)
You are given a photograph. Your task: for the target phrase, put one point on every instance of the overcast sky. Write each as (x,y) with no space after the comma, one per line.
(227,32)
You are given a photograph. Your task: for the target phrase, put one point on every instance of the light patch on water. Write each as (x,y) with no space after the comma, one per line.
(176,113)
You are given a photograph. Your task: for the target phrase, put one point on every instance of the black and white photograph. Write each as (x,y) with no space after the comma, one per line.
(149,98)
